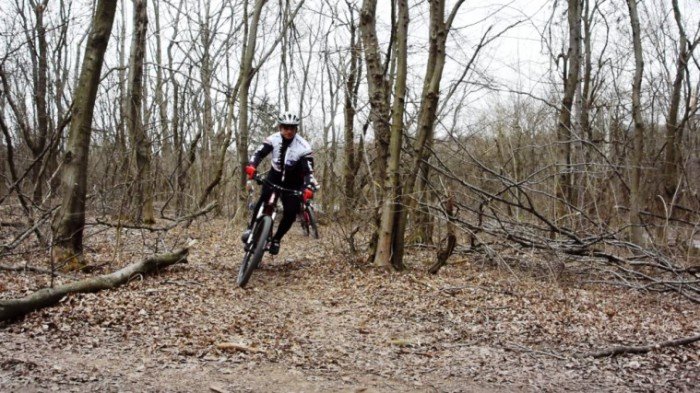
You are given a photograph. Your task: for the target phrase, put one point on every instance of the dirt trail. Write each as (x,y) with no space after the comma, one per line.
(312,321)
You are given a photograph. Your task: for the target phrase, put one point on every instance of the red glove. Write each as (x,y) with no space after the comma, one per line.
(250,170)
(308,194)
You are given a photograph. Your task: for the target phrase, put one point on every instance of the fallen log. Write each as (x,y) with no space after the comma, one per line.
(614,351)
(13,308)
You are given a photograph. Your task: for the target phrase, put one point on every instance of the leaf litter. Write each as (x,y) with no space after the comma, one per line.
(313,319)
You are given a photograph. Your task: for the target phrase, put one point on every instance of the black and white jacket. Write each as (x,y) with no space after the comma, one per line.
(292,160)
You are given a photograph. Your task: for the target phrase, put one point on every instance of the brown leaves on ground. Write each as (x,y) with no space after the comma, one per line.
(312,320)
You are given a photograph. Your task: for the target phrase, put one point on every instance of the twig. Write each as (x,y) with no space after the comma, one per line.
(619,350)
(25,268)
(229,346)
(519,347)
(166,228)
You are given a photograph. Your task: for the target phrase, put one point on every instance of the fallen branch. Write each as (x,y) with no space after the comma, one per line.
(234,347)
(11,224)
(34,229)
(614,351)
(518,347)
(45,297)
(10,268)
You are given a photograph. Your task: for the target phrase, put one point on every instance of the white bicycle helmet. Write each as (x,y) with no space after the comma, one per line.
(288,119)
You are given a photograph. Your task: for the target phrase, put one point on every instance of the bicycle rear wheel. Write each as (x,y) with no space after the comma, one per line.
(313,227)
(261,231)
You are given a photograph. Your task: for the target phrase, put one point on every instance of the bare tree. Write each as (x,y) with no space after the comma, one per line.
(142,198)
(565,134)
(388,227)
(636,197)
(69,222)
(353,78)
(674,125)
(439,30)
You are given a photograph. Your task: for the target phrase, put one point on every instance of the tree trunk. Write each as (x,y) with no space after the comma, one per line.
(40,91)
(392,196)
(450,241)
(587,100)
(142,202)
(674,128)
(439,28)
(565,136)
(636,197)
(246,77)
(351,87)
(379,97)
(161,101)
(69,222)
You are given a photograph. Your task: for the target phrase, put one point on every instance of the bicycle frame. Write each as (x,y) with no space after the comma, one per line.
(258,241)
(269,207)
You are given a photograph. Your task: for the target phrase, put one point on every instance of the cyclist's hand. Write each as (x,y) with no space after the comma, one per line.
(308,194)
(250,170)
(313,184)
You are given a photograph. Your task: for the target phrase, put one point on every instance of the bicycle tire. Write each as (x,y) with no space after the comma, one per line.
(261,231)
(304,222)
(313,227)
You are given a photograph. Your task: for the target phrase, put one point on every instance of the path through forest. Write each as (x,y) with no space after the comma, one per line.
(312,320)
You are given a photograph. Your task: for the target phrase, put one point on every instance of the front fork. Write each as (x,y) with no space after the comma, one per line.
(270,209)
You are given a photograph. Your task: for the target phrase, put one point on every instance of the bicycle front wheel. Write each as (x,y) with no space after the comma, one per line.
(261,232)
(304,222)
(313,227)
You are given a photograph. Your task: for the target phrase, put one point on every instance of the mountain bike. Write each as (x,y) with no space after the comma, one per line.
(261,235)
(307,218)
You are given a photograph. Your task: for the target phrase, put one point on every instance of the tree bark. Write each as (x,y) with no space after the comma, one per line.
(565,136)
(439,29)
(10,309)
(40,90)
(142,202)
(246,76)
(636,190)
(674,128)
(352,83)
(379,99)
(69,222)
(450,241)
(392,196)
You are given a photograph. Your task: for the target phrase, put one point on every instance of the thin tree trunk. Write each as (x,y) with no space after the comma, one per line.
(379,98)
(40,91)
(572,62)
(439,28)
(142,202)
(351,85)
(70,221)
(161,101)
(246,77)
(674,129)
(392,196)
(636,197)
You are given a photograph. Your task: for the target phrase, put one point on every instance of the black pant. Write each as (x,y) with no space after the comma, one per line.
(290,203)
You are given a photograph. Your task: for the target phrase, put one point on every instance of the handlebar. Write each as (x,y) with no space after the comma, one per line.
(261,180)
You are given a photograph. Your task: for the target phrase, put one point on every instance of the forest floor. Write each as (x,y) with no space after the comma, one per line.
(313,320)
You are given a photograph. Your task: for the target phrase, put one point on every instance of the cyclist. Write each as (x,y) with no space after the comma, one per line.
(292,167)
